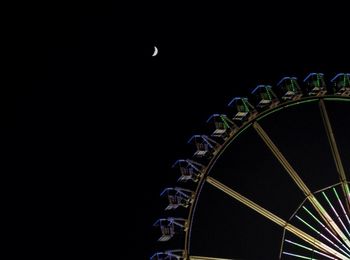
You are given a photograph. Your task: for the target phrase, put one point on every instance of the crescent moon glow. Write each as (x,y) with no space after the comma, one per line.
(155,51)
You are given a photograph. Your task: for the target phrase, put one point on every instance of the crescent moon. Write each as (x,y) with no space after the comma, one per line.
(155,51)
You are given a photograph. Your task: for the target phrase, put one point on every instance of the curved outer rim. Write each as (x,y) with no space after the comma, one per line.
(227,142)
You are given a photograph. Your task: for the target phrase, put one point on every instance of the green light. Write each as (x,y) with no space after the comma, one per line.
(330,204)
(344,81)
(224,121)
(292,84)
(299,256)
(299,245)
(335,212)
(245,105)
(337,99)
(313,216)
(347,189)
(307,224)
(319,222)
(336,193)
(341,204)
(268,92)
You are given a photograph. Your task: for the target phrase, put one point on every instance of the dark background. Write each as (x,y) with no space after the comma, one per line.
(98,122)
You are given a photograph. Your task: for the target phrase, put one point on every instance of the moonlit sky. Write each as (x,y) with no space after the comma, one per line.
(103,121)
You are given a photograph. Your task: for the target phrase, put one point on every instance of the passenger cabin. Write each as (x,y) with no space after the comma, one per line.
(242,109)
(223,126)
(178,197)
(341,84)
(288,88)
(264,97)
(169,227)
(206,146)
(190,170)
(315,84)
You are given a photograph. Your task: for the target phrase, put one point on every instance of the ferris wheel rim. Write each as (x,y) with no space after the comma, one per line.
(227,143)
(266,103)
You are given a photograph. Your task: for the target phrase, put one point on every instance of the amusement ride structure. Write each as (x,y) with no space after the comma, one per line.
(310,209)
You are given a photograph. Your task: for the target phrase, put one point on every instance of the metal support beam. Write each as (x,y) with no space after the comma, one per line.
(335,153)
(279,221)
(293,174)
(282,159)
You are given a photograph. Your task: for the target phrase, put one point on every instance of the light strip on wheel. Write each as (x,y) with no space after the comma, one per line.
(279,221)
(293,174)
(341,205)
(319,222)
(335,152)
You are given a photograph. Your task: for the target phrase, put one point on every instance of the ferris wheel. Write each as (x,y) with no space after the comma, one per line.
(269,181)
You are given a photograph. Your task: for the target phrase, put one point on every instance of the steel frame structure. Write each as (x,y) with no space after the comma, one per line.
(335,235)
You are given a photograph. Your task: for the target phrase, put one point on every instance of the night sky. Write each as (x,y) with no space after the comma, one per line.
(100,122)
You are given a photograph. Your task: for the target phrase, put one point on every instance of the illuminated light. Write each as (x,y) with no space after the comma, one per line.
(293,87)
(299,256)
(337,160)
(294,175)
(336,213)
(322,210)
(307,224)
(337,99)
(246,107)
(347,191)
(341,205)
(268,93)
(224,121)
(320,234)
(319,222)
(310,249)
(279,221)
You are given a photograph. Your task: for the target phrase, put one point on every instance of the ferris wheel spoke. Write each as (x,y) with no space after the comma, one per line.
(335,153)
(318,229)
(306,248)
(281,159)
(208,258)
(277,220)
(294,175)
